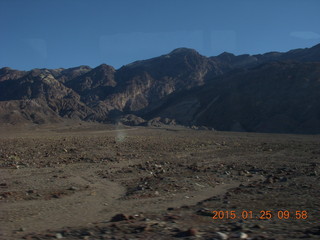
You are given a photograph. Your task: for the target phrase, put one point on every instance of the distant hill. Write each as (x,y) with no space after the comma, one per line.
(272,92)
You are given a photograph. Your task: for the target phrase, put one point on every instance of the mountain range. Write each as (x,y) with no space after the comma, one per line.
(272,92)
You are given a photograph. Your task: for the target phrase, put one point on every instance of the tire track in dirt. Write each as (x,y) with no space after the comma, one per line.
(77,209)
(97,200)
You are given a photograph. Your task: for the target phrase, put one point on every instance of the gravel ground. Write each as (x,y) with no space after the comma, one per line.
(112,182)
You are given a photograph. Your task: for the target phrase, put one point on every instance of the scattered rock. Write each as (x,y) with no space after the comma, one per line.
(221,236)
(204,212)
(87,233)
(192,232)
(119,217)
(269,180)
(6,194)
(257,226)
(240,235)
(172,217)
(59,236)
(143,228)
(283,179)
(56,195)
(313,230)
(194,127)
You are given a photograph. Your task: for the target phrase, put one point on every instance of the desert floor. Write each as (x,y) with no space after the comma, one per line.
(94,181)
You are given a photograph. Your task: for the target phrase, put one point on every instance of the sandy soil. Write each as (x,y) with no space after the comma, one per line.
(94,181)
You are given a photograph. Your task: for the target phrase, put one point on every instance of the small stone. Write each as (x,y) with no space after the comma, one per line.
(258,226)
(269,180)
(185,207)
(147,228)
(114,226)
(59,236)
(204,212)
(238,226)
(50,235)
(119,217)
(87,233)
(192,232)
(172,217)
(240,235)
(221,236)
(73,188)
(56,196)
(143,228)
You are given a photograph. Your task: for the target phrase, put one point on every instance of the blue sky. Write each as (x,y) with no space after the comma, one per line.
(69,33)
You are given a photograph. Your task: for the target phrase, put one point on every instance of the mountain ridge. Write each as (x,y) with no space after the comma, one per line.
(145,87)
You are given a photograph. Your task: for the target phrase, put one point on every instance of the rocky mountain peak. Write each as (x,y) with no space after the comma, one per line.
(5,69)
(184,51)
(104,68)
(7,73)
(225,56)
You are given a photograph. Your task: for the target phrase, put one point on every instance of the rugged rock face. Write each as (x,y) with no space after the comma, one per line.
(39,94)
(26,111)
(9,74)
(94,84)
(274,97)
(265,92)
(143,83)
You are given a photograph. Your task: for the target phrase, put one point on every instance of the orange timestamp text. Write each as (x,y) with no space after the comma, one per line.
(262,215)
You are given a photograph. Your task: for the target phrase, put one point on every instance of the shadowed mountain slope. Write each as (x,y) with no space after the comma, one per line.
(272,92)
(274,97)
